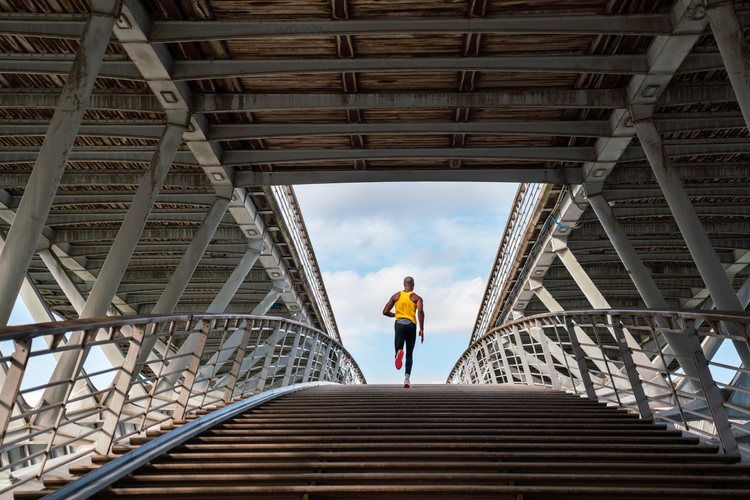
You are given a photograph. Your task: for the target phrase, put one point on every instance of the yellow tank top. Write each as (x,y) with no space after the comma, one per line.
(406,308)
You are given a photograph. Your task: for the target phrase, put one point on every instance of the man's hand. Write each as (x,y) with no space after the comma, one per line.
(421,334)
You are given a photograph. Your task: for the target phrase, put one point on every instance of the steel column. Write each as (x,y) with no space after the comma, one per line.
(64,281)
(114,266)
(231,286)
(522,355)
(181,277)
(730,39)
(117,260)
(311,358)
(270,299)
(272,340)
(635,381)
(120,392)
(185,269)
(580,360)
(711,270)
(641,277)
(50,163)
(714,399)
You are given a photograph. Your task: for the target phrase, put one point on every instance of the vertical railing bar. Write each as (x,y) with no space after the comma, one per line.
(122,384)
(714,400)
(215,362)
(68,390)
(149,399)
(543,340)
(501,346)
(564,354)
(635,381)
(672,385)
(311,359)
(239,356)
(522,355)
(192,371)
(583,369)
(606,359)
(12,384)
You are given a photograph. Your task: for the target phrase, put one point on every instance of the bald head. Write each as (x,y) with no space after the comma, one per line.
(408,284)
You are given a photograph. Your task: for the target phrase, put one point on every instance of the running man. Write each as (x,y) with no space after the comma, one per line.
(407,304)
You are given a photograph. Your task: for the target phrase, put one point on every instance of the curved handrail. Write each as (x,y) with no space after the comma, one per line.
(190,361)
(657,363)
(97,480)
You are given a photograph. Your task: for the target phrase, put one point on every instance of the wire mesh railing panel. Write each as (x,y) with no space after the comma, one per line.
(76,388)
(656,363)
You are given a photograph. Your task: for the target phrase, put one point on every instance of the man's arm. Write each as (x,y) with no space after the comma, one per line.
(387,309)
(420,315)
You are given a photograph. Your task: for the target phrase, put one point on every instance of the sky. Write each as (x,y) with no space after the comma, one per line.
(368,237)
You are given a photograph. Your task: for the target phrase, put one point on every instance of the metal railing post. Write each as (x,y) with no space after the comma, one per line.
(543,340)
(501,347)
(238,358)
(522,355)
(122,385)
(311,358)
(269,357)
(324,367)
(632,371)
(12,385)
(191,372)
(292,357)
(580,360)
(489,362)
(713,397)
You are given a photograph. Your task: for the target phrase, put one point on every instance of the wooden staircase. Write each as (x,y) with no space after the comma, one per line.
(498,442)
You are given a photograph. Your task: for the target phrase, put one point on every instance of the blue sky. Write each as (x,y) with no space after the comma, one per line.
(367,237)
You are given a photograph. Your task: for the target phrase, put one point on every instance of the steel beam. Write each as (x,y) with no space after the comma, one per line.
(253,157)
(683,122)
(556,99)
(270,299)
(697,92)
(705,258)
(54,64)
(111,154)
(130,231)
(197,70)
(270,131)
(109,278)
(49,99)
(185,269)
(402,174)
(181,31)
(24,234)
(730,38)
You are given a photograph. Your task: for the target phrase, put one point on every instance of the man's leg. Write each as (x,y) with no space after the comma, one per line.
(411,339)
(399,343)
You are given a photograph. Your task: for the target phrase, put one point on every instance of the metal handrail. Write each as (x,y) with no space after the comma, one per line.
(206,359)
(516,229)
(620,356)
(292,216)
(104,476)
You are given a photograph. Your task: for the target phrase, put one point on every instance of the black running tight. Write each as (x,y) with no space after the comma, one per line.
(408,334)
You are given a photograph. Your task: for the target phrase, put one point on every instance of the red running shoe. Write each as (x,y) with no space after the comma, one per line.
(399,359)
